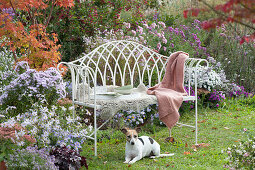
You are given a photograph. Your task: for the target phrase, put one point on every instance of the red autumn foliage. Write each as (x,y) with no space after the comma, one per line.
(27,38)
(238,11)
(9,133)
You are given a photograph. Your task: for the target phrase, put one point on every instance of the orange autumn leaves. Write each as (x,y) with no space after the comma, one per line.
(36,4)
(29,39)
(35,46)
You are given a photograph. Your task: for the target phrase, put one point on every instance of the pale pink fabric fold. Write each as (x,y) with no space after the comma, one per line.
(170,91)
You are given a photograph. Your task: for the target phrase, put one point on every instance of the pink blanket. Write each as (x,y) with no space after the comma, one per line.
(170,91)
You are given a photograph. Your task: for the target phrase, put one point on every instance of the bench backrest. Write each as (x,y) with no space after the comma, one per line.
(122,63)
(125,62)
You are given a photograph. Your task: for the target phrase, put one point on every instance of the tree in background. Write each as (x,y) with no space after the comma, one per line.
(23,25)
(43,32)
(87,18)
(232,11)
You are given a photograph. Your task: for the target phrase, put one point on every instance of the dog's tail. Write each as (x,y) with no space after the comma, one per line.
(162,155)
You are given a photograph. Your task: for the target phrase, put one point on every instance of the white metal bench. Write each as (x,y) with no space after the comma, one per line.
(120,63)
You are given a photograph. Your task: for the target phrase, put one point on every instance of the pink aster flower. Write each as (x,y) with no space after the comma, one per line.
(127,25)
(246,154)
(162,24)
(141,38)
(159,35)
(140,30)
(153,25)
(133,32)
(158,46)
(146,26)
(164,40)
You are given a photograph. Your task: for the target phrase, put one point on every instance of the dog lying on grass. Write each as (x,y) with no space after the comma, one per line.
(140,147)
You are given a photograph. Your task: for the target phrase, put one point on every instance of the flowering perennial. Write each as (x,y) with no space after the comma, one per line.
(207,78)
(31,158)
(237,91)
(50,128)
(32,86)
(242,155)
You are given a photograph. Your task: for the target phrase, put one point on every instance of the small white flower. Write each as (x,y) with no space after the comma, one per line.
(10,123)
(21,132)
(51,114)
(69,120)
(20,143)
(17,135)
(71,108)
(62,144)
(63,108)
(26,123)
(54,107)
(239,152)
(90,127)
(34,131)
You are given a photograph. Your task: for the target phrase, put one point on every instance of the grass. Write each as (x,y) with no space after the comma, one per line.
(219,128)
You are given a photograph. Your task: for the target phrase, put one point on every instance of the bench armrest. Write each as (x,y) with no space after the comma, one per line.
(83,77)
(194,64)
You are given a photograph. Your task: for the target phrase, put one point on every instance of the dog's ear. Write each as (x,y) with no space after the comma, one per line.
(138,129)
(124,130)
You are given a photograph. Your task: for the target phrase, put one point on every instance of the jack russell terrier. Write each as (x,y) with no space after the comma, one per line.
(139,147)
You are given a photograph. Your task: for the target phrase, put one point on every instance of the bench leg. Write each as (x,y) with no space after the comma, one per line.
(73,110)
(95,131)
(170,132)
(196,129)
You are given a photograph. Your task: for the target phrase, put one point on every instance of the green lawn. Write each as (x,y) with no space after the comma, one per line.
(219,128)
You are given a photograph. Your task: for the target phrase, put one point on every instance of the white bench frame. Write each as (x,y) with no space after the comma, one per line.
(123,61)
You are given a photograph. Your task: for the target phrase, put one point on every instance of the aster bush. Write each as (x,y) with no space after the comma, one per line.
(214,99)
(31,158)
(56,126)
(6,68)
(17,134)
(12,138)
(207,78)
(86,17)
(242,155)
(235,91)
(131,118)
(31,86)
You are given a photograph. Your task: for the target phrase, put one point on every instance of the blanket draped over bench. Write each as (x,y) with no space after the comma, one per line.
(170,91)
